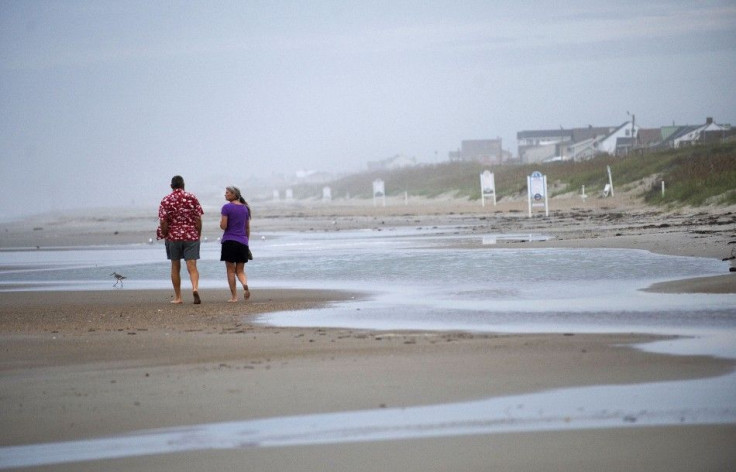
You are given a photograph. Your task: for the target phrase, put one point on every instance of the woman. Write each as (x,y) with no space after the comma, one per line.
(235,221)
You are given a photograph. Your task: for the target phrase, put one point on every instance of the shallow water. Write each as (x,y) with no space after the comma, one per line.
(558,410)
(417,280)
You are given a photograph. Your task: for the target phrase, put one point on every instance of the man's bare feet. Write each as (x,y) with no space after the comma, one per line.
(197,301)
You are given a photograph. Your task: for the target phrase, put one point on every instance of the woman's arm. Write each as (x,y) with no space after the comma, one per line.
(247,228)
(223,222)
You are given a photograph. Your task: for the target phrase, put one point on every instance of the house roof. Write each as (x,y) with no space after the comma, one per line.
(576,134)
(649,136)
(542,133)
(582,134)
(622,126)
(681,131)
(646,137)
(676,132)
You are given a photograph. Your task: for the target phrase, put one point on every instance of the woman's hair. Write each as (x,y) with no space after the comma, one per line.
(236,191)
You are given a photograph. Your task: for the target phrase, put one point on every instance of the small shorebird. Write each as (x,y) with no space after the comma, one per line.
(118,279)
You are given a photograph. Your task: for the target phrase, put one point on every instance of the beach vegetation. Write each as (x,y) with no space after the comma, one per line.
(696,176)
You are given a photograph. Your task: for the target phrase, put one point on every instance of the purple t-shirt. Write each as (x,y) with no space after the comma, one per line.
(237,215)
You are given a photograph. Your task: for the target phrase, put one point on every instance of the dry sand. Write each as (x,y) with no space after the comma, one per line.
(82,365)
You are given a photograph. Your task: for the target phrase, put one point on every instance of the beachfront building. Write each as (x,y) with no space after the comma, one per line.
(560,144)
(398,161)
(485,151)
(584,143)
(620,141)
(550,145)
(649,138)
(542,145)
(680,136)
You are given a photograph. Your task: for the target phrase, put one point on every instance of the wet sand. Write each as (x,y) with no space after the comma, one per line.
(80,365)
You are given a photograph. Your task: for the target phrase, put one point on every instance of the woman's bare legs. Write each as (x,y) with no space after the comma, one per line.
(236,270)
(230,267)
(240,272)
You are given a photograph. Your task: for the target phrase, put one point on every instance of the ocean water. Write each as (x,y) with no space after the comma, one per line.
(415,278)
(418,278)
(426,282)
(427,278)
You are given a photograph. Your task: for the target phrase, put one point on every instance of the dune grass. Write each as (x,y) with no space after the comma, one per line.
(694,176)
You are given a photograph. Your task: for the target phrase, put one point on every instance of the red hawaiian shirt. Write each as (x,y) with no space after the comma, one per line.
(180,210)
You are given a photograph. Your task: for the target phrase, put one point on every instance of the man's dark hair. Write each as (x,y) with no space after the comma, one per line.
(177,182)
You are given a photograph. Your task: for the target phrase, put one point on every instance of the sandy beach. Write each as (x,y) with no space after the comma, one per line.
(78,365)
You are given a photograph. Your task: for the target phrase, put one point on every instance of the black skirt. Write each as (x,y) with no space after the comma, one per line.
(233,251)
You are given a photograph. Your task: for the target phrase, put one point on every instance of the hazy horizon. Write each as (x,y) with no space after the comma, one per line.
(102,102)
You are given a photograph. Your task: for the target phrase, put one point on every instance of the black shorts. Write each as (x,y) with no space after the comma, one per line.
(233,251)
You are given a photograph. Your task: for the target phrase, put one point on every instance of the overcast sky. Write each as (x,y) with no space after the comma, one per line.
(102,102)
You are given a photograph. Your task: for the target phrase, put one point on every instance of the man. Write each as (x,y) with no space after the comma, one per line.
(180,224)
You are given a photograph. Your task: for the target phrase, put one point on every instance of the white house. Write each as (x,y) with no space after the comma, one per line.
(585,149)
(696,134)
(621,140)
